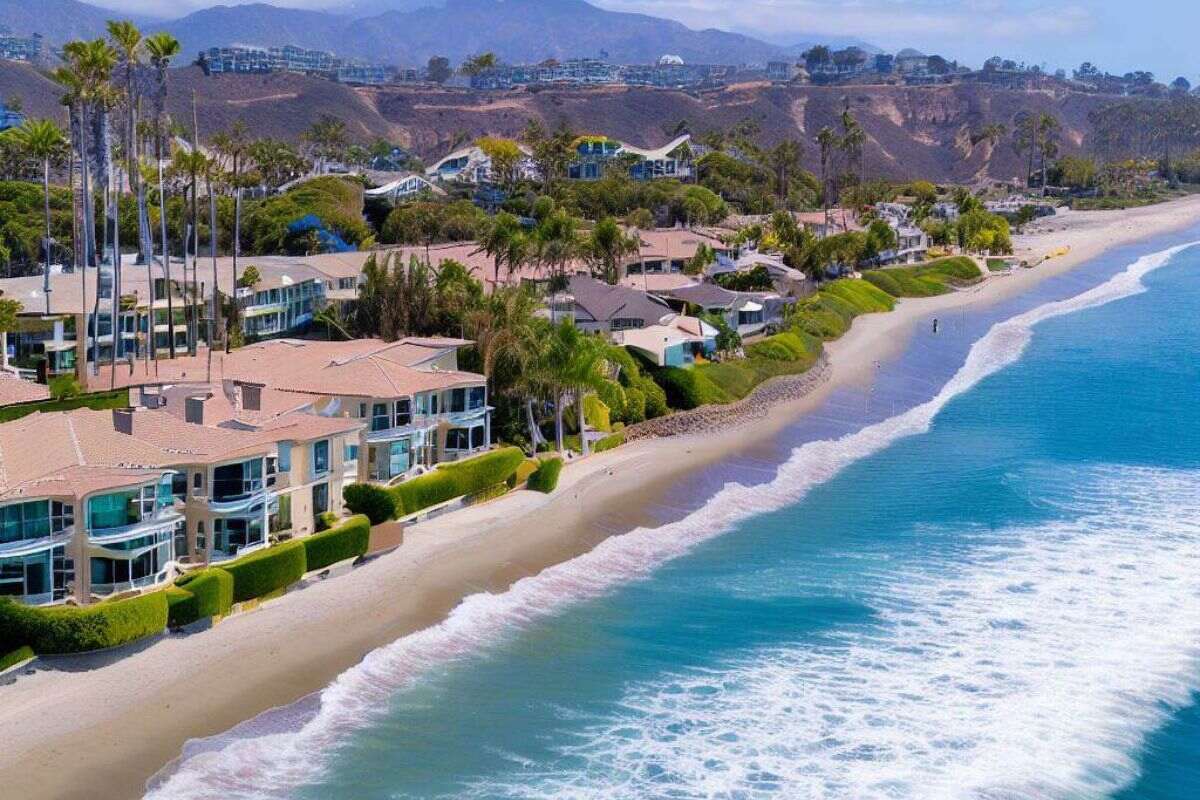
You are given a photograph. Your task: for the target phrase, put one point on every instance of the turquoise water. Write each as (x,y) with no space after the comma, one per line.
(979,579)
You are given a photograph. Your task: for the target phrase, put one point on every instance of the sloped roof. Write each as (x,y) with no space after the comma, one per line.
(604,303)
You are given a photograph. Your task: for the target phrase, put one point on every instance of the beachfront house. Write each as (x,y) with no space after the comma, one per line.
(83,513)
(663,256)
(472,166)
(596,307)
(417,408)
(404,187)
(747,313)
(676,343)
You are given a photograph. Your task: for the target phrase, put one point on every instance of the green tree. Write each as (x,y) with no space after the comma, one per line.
(606,248)
(438,69)
(162,48)
(478,64)
(43,140)
(504,240)
(327,139)
(785,161)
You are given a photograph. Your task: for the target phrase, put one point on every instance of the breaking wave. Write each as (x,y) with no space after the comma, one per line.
(269,756)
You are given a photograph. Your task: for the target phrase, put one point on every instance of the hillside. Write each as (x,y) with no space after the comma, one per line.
(912,131)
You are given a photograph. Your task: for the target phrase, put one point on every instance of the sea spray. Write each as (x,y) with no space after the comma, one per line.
(271,765)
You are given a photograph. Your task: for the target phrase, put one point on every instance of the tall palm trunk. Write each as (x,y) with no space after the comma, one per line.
(166,255)
(583,442)
(535,435)
(558,421)
(46,195)
(215,322)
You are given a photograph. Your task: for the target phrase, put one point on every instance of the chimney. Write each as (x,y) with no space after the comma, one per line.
(123,420)
(194,409)
(252,396)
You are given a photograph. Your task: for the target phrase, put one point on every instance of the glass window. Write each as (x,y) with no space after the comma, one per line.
(284,461)
(477,397)
(403,412)
(113,510)
(476,437)
(380,418)
(350,452)
(321,456)
(320,494)
(398,460)
(457,439)
(281,520)
(458,400)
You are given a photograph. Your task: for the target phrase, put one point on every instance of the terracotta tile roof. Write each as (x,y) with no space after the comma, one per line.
(16,390)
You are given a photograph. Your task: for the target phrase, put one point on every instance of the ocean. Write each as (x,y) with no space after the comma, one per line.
(978,578)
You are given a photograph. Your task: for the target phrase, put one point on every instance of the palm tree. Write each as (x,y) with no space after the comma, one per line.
(505,241)
(785,162)
(573,365)
(853,140)
(162,47)
(556,242)
(129,42)
(88,65)
(192,164)
(327,136)
(1048,130)
(499,326)
(827,140)
(43,140)
(1025,140)
(234,145)
(606,247)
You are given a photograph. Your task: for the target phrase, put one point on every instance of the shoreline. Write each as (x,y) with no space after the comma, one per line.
(68,732)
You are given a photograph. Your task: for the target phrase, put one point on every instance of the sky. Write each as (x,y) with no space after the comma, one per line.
(1117,35)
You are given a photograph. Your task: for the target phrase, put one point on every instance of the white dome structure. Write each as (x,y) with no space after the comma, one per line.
(669,60)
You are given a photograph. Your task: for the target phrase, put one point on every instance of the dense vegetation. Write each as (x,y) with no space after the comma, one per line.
(447,482)
(66,629)
(545,478)
(925,280)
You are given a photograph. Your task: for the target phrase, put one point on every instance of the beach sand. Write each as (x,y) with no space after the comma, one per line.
(88,729)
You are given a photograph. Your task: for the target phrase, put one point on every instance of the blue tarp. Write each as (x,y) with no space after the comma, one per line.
(330,241)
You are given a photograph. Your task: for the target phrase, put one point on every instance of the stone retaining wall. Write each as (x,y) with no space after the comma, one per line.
(756,405)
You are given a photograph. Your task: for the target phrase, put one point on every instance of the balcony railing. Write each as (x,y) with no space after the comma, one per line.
(128,586)
(166,518)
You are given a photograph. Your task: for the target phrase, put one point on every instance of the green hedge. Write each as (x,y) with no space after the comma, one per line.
(545,479)
(199,595)
(267,570)
(786,346)
(523,471)
(97,401)
(367,498)
(689,388)
(925,280)
(348,540)
(609,442)
(67,629)
(456,479)
(656,398)
(16,657)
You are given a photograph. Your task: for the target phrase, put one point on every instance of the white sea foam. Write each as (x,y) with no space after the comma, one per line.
(269,766)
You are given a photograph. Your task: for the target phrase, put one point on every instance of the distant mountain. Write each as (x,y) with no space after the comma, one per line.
(357,9)
(57,20)
(261,25)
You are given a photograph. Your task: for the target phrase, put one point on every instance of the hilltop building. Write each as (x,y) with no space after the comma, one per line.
(20,48)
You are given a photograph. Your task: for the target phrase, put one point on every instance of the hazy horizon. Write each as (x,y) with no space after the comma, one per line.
(1115,35)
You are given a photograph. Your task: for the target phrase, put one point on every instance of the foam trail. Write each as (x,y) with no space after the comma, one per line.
(268,766)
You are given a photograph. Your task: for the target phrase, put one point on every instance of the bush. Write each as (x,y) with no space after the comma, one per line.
(199,595)
(635,405)
(786,346)
(925,280)
(612,394)
(374,501)
(66,629)
(15,657)
(596,412)
(325,521)
(348,540)
(456,479)
(656,398)
(545,478)
(267,570)
(689,388)
(524,470)
(627,368)
(609,442)
(95,400)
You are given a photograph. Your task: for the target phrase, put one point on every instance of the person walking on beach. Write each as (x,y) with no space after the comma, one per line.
(935,324)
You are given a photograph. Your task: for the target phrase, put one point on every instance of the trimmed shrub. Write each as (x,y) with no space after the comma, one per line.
(198,595)
(613,395)
(325,520)
(374,501)
(456,479)
(627,368)
(524,470)
(925,280)
(545,479)
(656,398)
(596,412)
(67,629)
(635,405)
(609,442)
(348,540)
(267,570)
(786,346)
(689,388)
(15,657)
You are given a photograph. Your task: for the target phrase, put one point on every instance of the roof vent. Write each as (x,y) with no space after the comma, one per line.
(194,409)
(123,420)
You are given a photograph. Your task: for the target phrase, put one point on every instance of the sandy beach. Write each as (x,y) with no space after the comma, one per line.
(88,729)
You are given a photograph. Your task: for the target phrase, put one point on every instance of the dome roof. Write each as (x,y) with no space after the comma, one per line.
(671,60)
(908,52)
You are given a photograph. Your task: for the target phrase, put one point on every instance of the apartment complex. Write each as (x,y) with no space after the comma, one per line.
(20,48)
(289,58)
(95,503)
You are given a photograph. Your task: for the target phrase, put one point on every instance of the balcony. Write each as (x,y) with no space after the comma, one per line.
(164,519)
(419,422)
(105,589)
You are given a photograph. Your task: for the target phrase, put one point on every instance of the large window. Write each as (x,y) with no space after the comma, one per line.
(458,400)
(458,439)
(320,498)
(281,520)
(232,535)
(234,481)
(33,520)
(136,561)
(403,412)
(114,510)
(476,398)
(381,418)
(321,457)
